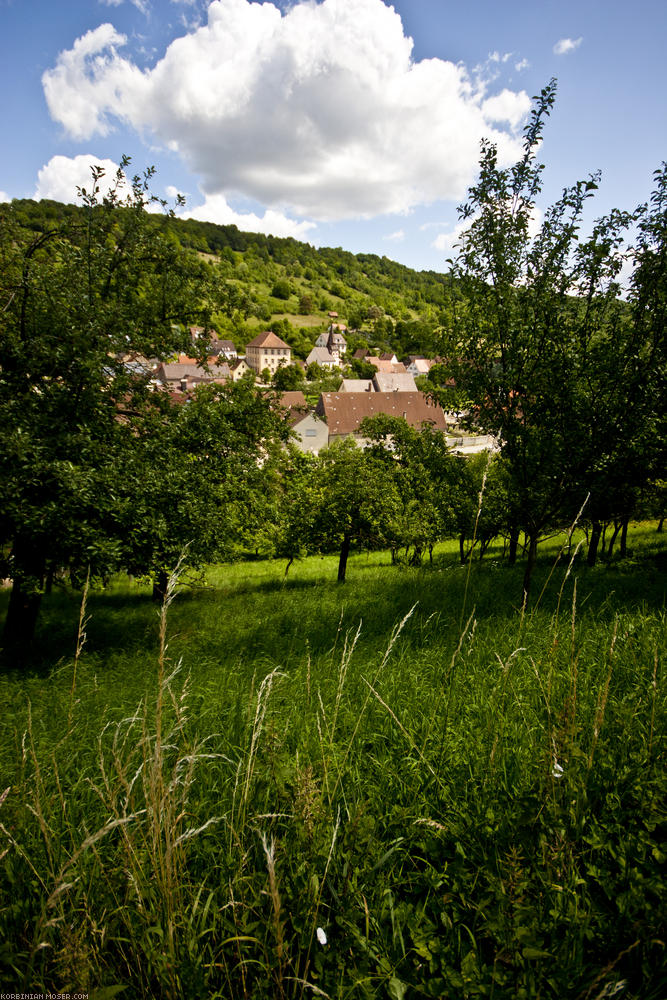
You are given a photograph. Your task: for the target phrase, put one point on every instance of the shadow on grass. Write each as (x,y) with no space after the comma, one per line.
(248,616)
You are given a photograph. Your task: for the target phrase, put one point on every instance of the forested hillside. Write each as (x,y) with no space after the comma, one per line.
(292,286)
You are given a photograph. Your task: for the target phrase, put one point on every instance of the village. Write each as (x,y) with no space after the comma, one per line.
(391,391)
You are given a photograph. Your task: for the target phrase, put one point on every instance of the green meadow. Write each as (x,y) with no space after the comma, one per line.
(403,786)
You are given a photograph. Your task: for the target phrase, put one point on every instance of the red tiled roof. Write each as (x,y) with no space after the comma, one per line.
(344,411)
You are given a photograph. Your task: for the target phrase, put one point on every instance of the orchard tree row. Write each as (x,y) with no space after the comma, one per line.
(99,474)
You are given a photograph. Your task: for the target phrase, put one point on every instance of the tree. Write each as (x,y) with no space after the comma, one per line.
(200,475)
(82,303)
(288,377)
(426,477)
(305,304)
(281,289)
(354,499)
(541,329)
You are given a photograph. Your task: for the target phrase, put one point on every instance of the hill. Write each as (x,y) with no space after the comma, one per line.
(291,287)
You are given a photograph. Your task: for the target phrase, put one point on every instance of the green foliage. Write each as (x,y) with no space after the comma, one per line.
(305,303)
(281,289)
(463,810)
(253,267)
(97,471)
(547,352)
(288,377)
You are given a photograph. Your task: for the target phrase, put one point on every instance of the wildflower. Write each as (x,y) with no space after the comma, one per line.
(557,770)
(321,936)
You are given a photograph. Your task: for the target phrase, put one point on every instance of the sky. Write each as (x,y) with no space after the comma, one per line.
(346,123)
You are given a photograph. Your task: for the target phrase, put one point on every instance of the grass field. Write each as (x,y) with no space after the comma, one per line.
(399,787)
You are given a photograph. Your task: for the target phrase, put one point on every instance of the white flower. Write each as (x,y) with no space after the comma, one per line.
(557,770)
(321,936)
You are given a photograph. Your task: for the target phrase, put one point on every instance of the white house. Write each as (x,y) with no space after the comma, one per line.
(323,357)
(267,351)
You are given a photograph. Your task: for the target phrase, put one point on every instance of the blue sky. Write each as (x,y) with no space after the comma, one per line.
(346,123)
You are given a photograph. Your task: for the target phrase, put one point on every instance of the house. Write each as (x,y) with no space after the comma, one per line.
(394,382)
(310,431)
(357,385)
(386,366)
(362,354)
(323,357)
(420,366)
(381,382)
(389,356)
(239,368)
(344,411)
(333,340)
(187,375)
(337,343)
(267,351)
(224,347)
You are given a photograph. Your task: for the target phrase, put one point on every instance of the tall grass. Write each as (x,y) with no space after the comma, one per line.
(294,789)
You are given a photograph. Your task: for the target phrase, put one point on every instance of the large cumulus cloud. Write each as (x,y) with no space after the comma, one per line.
(320,110)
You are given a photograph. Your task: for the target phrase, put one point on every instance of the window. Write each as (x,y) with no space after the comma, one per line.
(311,432)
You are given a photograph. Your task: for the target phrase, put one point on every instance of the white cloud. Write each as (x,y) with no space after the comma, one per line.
(498,58)
(503,107)
(566,45)
(444,242)
(4,196)
(216,209)
(396,237)
(141,5)
(59,178)
(521,65)
(320,110)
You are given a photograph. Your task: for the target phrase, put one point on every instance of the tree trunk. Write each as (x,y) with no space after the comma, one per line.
(593,543)
(530,563)
(660,523)
(514,545)
(342,562)
(20,623)
(624,537)
(610,550)
(24,601)
(603,540)
(430,553)
(160,584)
(289,563)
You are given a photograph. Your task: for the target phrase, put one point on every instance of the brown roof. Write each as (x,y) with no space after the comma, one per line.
(295,402)
(344,411)
(267,339)
(225,345)
(166,372)
(388,367)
